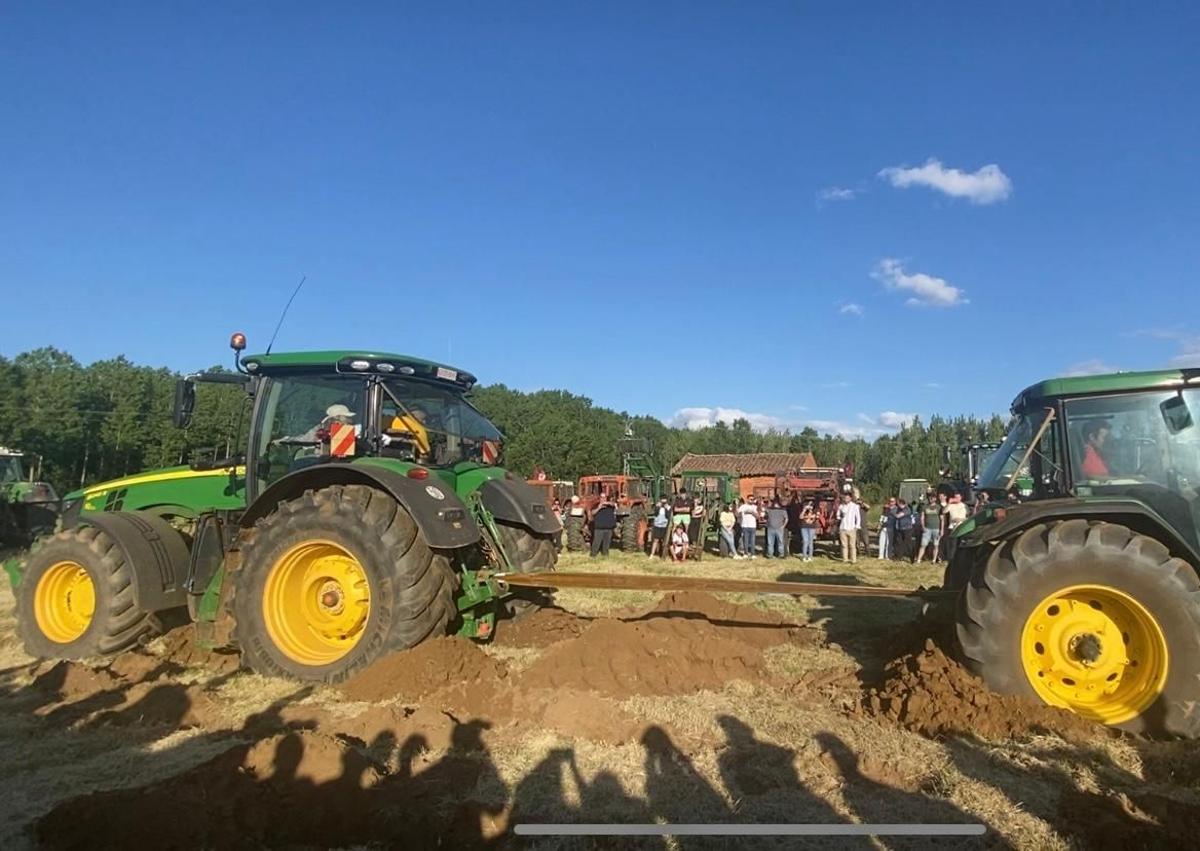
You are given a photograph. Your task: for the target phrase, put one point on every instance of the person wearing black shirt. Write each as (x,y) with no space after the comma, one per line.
(604,520)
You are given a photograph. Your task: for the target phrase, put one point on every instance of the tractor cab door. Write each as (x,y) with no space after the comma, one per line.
(305,420)
(1132,446)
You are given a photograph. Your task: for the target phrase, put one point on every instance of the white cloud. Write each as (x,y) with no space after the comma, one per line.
(932,385)
(698,418)
(837,193)
(851,309)
(895,419)
(837,385)
(1095,366)
(926,289)
(843,429)
(1189,345)
(985,186)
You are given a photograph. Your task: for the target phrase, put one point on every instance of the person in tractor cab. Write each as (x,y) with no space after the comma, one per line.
(409,427)
(1095,435)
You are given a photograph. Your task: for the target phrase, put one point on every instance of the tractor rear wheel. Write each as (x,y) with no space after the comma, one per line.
(1092,617)
(530,553)
(333,579)
(76,599)
(574,534)
(633,529)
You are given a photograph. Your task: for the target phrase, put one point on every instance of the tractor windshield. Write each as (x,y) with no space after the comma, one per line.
(436,425)
(997,473)
(10,469)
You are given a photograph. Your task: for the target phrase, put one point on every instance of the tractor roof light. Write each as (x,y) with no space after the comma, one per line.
(385,367)
(360,365)
(237,341)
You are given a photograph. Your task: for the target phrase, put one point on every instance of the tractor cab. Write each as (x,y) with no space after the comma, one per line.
(1131,437)
(314,408)
(11,468)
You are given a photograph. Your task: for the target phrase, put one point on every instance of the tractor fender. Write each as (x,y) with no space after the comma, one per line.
(513,501)
(1131,513)
(155,552)
(444,521)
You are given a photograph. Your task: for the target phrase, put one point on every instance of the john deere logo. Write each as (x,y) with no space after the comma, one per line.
(434,492)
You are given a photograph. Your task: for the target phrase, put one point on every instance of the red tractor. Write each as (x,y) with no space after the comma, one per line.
(823,486)
(632,496)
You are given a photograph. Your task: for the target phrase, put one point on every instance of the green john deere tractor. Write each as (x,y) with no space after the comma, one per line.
(367,513)
(28,507)
(1078,578)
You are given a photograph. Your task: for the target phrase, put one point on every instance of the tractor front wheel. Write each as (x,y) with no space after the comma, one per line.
(633,529)
(1091,617)
(331,580)
(76,599)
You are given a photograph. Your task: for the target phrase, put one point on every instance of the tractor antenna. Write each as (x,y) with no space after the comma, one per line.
(279,324)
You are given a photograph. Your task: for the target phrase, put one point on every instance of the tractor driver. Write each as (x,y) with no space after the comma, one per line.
(1095,435)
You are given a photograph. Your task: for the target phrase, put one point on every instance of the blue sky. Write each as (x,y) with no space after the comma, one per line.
(828,213)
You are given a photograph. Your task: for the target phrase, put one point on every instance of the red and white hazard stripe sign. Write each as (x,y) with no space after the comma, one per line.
(341,440)
(490,451)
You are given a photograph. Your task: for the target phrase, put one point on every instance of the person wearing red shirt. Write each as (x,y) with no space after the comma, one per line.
(1095,434)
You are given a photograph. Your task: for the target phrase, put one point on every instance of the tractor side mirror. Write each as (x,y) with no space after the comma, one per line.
(1176,415)
(185,402)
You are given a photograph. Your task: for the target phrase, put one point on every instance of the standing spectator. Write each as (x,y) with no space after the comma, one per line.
(777,520)
(849,522)
(660,525)
(902,548)
(696,523)
(725,521)
(679,543)
(808,531)
(864,534)
(557,509)
(956,513)
(981,500)
(748,513)
(887,529)
(604,520)
(792,536)
(682,510)
(932,519)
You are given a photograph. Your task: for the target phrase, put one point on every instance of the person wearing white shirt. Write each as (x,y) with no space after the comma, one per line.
(849,522)
(748,512)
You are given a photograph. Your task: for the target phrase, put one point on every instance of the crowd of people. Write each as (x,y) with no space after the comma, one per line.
(677,525)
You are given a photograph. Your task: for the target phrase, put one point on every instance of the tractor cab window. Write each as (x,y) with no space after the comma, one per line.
(10,469)
(1140,446)
(1121,441)
(434,425)
(307,420)
(1012,466)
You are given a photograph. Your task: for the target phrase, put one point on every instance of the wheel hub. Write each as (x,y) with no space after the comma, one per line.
(1096,651)
(64,602)
(316,602)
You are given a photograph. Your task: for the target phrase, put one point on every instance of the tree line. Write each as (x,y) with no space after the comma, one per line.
(113,417)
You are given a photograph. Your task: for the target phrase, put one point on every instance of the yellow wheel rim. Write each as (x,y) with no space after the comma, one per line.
(1096,651)
(64,602)
(316,602)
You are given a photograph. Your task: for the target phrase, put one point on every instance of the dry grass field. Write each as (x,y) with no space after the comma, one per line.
(612,706)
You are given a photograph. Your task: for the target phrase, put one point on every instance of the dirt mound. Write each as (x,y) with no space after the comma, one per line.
(412,674)
(179,647)
(300,789)
(689,642)
(540,629)
(929,693)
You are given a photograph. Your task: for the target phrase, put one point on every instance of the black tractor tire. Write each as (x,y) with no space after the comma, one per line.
(530,553)
(116,625)
(412,586)
(630,539)
(574,534)
(1021,573)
